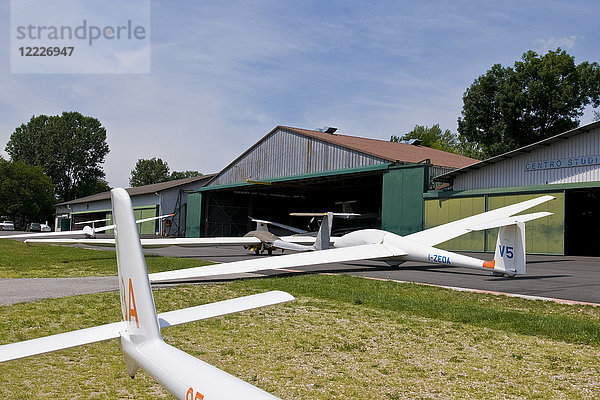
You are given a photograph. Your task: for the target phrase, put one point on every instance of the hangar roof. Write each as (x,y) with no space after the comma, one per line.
(135,191)
(449,177)
(391,151)
(287,151)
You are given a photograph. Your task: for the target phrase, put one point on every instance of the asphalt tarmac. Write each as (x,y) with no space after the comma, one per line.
(561,277)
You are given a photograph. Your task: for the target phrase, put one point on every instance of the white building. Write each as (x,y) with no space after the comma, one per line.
(566,166)
(148,201)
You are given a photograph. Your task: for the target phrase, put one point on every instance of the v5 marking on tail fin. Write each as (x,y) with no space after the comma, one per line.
(509,258)
(506,249)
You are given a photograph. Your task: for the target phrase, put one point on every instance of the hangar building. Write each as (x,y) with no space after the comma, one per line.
(566,166)
(148,201)
(299,170)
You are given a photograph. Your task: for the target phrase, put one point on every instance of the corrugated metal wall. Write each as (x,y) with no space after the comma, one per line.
(193,226)
(543,236)
(285,153)
(402,199)
(512,172)
(437,170)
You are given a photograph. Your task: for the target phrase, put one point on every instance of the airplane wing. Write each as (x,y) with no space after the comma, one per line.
(355,253)
(200,242)
(100,333)
(205,311)
(283,245)
(497,223)
(277,224)
(87,242)
(301,245)
(61,341)
(306,240)
(85,231)
(286,242)
(157,243)
(91,222)
(139,221)
(442,233)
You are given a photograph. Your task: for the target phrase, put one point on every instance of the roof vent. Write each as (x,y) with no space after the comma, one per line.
(414,142)
(327,129)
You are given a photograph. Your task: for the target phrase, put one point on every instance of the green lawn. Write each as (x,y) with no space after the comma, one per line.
(343,338)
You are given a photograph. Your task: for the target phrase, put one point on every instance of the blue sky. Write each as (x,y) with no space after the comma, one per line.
(223,74)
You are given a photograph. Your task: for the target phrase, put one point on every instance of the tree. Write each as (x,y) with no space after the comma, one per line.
(183,174)
(147,172)
(596,115)
(539,97)
(70,149)
(26,193)
(431,137)
(155,170)
(435,138)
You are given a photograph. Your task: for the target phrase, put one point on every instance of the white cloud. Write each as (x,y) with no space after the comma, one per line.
(552,43)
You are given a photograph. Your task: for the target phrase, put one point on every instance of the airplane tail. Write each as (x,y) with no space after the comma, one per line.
(183,375)
(323,239)
(324,235)
(509,258)
(141,343)
(137,302)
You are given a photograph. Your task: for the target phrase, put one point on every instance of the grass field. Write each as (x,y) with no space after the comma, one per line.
(343,338)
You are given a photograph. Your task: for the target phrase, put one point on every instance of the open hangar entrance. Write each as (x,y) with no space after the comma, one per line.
(582,222)
(228,210)
(386,197)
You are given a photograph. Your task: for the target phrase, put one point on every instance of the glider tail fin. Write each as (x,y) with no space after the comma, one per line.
(137,302)
(324,235)
(509,257)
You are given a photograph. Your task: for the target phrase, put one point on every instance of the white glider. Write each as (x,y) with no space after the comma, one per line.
(257,240)
(373,244)
(88,231)
(141,343)
(262,224)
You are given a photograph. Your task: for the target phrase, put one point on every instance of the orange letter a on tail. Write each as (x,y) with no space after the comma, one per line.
(132,310)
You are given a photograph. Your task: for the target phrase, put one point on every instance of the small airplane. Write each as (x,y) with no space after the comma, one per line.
(141,343)
(45,227)
(258,240)
(262,224)
(374,244)
(93,222)
(302,241)
(87,231)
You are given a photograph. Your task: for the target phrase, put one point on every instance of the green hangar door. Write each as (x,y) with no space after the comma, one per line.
(582,222)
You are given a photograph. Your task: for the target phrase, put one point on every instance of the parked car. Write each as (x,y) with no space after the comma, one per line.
(46,227)
(34,227)
(7,226)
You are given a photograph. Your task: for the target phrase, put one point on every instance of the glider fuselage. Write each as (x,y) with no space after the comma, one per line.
(414,251)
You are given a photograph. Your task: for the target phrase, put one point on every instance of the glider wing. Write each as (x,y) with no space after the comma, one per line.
(442,233)
(363,252)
